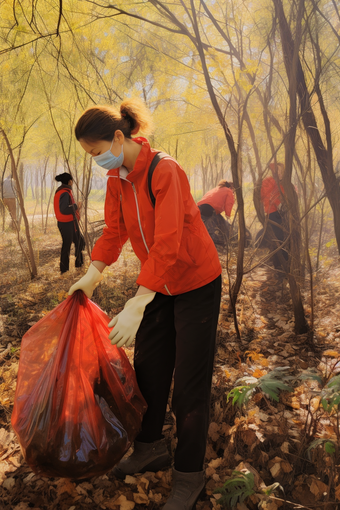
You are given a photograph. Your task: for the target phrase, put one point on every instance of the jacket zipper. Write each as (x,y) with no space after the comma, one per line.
(138,216)
(139,220)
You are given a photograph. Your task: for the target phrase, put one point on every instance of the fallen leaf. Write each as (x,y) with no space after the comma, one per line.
(337,492)
(141,498)
(9,483)
(144,482)
(130,480)
(215,463)
(213,431)
(156,497)
(5,438)
(65,485)
(209,472)
(29,478)
(285,447)
(275,466)
(318,488)
(80,490)
(210,453)
(333,354)
(258,373)
(124,504)
(286,466)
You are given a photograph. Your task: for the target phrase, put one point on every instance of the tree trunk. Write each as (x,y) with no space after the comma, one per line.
(331,184)
(234,290)
(30,257)
(290,197)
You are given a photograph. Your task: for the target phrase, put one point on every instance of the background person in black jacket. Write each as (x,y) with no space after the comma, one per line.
(67,214)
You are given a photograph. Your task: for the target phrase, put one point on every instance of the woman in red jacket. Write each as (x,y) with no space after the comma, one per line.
(67,214)
(219,199)
(271,197)
(173,317)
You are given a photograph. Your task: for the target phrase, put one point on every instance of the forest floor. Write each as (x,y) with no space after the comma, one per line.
(291,443)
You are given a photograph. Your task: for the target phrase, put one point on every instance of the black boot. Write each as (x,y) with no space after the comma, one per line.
(186,489)
(145,457)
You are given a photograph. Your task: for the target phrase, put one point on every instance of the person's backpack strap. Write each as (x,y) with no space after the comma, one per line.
(154,163)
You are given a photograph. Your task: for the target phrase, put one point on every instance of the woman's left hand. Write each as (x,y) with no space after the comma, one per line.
(126,323)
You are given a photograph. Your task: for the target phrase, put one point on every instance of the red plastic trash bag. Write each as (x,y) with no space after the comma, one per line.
(77,405)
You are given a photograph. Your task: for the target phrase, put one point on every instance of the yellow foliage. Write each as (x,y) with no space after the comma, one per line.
(331,353)
(62,295)
(258,373)
(258,357)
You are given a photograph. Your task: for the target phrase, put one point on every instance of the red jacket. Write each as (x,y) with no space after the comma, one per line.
(270,195)
(221,199)
(170,239)
(64,218)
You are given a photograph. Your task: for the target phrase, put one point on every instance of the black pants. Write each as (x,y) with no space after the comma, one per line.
(280,235)
(206,210)
(216,225)
(70,234)
(177,337)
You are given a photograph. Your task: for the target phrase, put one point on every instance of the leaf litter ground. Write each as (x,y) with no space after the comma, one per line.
(268,439)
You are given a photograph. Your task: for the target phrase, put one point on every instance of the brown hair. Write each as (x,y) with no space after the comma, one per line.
(101,122)
(276,166)
(225,184)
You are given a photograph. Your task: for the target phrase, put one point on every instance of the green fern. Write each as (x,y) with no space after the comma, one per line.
(236,489)
(271,384)
(328,444)
(242,394)
(330,394)
(310,374)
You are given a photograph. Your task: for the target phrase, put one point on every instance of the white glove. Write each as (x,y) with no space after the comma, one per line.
(88,282)
(127,322)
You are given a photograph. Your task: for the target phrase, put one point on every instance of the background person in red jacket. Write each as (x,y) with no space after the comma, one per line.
(173,316)
(271,197)
(217,200)
(67,214)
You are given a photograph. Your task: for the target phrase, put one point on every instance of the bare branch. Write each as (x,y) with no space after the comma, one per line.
(60,16)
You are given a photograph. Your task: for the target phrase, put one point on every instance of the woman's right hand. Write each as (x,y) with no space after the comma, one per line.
(88,282)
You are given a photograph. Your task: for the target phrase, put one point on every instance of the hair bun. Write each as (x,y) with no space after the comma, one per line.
(64,178)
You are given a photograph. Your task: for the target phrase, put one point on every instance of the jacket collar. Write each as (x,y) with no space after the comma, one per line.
(140,165)
(64,187)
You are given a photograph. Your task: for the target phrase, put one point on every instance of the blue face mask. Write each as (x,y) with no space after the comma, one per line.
(108,160)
